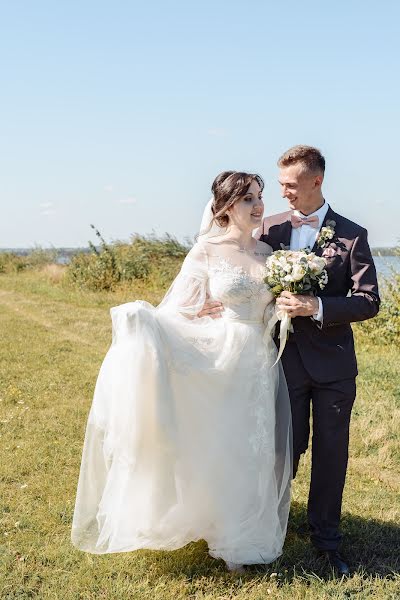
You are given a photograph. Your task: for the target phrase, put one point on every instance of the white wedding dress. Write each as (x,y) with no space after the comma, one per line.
(189,433)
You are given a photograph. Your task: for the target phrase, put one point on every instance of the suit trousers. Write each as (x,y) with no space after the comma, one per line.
(332,404)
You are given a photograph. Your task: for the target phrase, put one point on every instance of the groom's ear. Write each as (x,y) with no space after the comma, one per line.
(318,181)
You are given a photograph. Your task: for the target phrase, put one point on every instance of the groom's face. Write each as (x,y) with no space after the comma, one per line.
(299,186)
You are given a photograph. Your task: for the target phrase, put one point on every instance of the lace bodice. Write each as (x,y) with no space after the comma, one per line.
(221,271)
(243,293)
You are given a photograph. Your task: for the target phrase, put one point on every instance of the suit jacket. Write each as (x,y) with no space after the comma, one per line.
(351,294)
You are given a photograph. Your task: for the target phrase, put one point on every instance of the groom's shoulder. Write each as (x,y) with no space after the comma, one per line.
(277,219)
(347,227)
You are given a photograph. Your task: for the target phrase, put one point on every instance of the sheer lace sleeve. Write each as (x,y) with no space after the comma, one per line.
(188,292)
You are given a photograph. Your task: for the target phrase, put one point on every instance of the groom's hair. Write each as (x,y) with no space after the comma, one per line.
(311,159)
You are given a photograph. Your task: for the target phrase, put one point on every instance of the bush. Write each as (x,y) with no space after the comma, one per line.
(36,258)
(39,257)
(385,327)
(11,263)
(144,258)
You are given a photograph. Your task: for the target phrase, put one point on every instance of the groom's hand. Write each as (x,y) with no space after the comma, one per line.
(211,309)
(297,305)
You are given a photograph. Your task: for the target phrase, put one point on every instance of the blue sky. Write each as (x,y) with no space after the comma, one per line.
(122,113)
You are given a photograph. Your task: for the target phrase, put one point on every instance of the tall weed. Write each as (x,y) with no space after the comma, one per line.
(385,327)
(36,258)
(148,258)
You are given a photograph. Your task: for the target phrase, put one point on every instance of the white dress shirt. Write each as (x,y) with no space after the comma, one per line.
(305,237)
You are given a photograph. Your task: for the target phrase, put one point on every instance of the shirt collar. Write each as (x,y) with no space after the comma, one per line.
(320,213)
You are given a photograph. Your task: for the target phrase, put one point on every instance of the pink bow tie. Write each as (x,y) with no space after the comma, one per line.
(299,221)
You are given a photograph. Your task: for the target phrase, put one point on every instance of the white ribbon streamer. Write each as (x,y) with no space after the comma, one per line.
(284,328)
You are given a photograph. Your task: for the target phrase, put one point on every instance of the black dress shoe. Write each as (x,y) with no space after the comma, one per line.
(336,561)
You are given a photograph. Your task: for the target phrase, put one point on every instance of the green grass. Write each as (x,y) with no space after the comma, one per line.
(53,339)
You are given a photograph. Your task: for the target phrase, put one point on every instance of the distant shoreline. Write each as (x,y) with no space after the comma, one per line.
(379,251)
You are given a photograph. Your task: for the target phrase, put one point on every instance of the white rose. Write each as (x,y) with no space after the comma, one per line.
(317,264)
(287,267)
(298,272)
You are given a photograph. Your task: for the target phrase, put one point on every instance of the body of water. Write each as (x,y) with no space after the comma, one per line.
(386,265)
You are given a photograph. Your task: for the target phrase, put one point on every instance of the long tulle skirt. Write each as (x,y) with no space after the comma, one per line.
(188,438)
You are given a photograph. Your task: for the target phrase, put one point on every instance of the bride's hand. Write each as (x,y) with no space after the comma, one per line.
(211,309)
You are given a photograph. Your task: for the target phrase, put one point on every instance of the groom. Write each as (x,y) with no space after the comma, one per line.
(319,358)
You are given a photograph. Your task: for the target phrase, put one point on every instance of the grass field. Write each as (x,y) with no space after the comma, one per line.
(52,342)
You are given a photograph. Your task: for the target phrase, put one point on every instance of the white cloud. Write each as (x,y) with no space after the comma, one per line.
(108,188)
(128,200)
(49,211)
(46,205)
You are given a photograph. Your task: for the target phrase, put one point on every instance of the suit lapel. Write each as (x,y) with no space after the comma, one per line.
(286,232)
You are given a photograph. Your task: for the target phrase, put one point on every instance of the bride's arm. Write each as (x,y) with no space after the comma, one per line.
(269,312)
(209,308)
(187,294)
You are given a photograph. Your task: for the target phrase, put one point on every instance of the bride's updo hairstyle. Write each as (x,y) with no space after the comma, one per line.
(229,187)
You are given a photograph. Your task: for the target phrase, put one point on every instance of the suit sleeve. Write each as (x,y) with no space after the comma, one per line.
(363,303)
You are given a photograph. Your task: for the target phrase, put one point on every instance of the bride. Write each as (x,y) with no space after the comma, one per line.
(189,433)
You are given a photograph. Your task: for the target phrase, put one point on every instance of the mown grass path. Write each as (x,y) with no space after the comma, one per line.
(52,344)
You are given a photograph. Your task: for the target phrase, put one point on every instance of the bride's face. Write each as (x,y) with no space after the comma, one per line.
(247,213)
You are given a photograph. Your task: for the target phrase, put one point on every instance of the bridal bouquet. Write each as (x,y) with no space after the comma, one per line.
(296,271)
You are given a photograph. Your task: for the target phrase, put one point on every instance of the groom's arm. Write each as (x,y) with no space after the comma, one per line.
(363,303)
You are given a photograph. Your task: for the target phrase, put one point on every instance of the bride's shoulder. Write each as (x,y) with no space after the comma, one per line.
(263,248)
(198,252)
